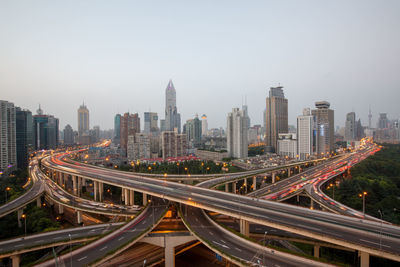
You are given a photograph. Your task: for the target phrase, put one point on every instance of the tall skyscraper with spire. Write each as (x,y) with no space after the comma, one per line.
(172,117)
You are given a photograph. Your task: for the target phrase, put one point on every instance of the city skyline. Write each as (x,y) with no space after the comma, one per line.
(352,65)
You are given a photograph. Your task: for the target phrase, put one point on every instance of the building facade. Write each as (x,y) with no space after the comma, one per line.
(237,141)
(350,127)
(150,122)
(129,125)
(68,135)
(172,117)
(8,146)
(325,129)
(193,130)
(204,125)
(117,128)
(305,134)
(45,131)
(276,116)
(24,136)
(138,147)
(173,144)
(287,145)
(83,120)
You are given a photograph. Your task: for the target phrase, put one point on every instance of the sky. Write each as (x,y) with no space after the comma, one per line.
(118,56)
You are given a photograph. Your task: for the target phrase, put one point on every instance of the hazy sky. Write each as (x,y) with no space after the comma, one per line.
(118,56)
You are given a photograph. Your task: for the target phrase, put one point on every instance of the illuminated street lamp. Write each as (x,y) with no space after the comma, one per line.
(363,194)
(7,189)
(23,216)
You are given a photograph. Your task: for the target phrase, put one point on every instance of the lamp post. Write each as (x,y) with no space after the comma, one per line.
(363,194)
(70,248)
(23,216)
(333,190)
(7,189)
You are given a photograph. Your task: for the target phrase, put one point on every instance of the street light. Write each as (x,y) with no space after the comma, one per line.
(7,189)
(23,216)
(363,194)
(333,190)
(70,248)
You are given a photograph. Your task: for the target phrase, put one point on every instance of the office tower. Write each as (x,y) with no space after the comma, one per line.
(138,147)
(173,144)
(204,125)
(264,125)
(193,131)
(383,122)
(237,142)
(150,122)
(24,136)
(305,134)
(117,128)
(162,126)
(350,127)
(129,125)
(359,131)
(95,134)
(287,145)
(45,131)
(324,119)
(8,146)
(83,120)
(68,135)
(172,117)
(246,113)
(276,116)
(369,119)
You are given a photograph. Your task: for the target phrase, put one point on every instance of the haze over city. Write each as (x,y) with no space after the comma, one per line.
(119,56)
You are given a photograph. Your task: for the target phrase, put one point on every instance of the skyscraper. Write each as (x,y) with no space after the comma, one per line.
(236,129)
(150,122)
(24,136)
(383,122)
(172,117)
(324,119)
(8,147)
(193,131)
(117,128)
(305,134)
(369,119)
(45,131)
(204,125)
(276,116)
(130,125)
(68,135)
(350,127)
(173,144)
(83,120)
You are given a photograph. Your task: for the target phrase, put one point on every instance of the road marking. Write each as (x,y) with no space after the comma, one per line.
(103,248)
(20,245)
(38,241)
(238,249)
(82,258)
(219,244)
(210,233)
(374,243)
(197,220)
(144,221)
(57,237)
(122,237)
(223,241)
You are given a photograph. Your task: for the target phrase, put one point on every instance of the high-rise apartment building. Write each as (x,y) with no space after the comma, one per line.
(204,125)
(138,147)
(193,131)
(236,129)
(172,117)
(173,144)
(383,122)
(24,136)
(276,116)
(350,127)
(287,145)
(117,128)
(130,125)
(8,146)
(68,135)
(83,121)
(45,131)
(305,134)
(150,122)
(325,127)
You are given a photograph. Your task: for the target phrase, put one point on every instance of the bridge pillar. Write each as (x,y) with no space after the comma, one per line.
(126,196)
(79,186)
(39,202)
(169,252)
(79,216)
(16,259)
(131,197)
(19,214)
(60,209)
(316,251)
(234,187)
(95,190)
(226,187)
(254,183)
(288,172)
(312,204)
(100,187)
(244,227)
(245,185)
(273,177)
(74,185)
(144,201)
(364,259)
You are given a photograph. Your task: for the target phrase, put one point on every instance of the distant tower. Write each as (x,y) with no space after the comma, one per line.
(204,125)
(172,117)
(236,131)
(83,120)
(369,118)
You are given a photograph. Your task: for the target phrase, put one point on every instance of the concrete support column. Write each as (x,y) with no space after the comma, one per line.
(83,182)
(79,186)
(19,214)
(126,196)
(244,227)
(226,187)
(95,190)
(60,209)
(79,216)
(245,185)
(254,183)
(288,172)
(74,185)
(316,251)
(312,204)
(234,187)
(39,202)
(273,177)
(131,197)
(169,253)
(122,194)
(144,199)
(100,187)
(16,259)
(364,259)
